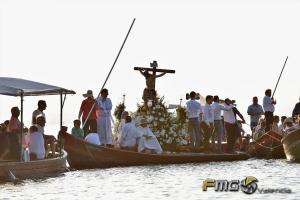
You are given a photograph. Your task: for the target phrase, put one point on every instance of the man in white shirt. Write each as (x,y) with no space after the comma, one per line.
(39,111)
(129,135)
(194,110)
(268,104)
(230,125)
(207,124)
(218,132)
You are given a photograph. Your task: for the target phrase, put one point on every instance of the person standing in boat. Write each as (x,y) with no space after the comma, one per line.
(42,105)
(85,109)
(269,108)
(148,141)
(255,111)
(231,126)
(218,132)
(104,118)
(194,110)
(296,110)
(207,123)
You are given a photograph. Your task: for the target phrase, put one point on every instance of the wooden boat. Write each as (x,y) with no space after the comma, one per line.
(291,145)
(12,165)
(83,155)
(13,170)
(267,146)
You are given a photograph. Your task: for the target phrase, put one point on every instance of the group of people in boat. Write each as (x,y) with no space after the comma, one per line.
(207,125)
(96,120)
(260,125)
(36,144)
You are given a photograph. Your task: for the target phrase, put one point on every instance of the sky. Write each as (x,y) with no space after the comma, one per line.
(233,49)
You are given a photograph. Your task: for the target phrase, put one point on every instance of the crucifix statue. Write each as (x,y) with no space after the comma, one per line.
(151,76)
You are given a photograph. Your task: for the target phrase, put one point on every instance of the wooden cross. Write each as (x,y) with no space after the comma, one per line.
(149,92)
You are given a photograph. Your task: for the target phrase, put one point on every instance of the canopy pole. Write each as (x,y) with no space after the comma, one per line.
(61,122)
(22,130)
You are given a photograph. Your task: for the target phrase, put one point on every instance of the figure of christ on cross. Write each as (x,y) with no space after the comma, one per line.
(149,91)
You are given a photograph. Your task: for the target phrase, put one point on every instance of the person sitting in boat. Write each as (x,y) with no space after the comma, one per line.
(36,144)
(122,123)
(14,124)
(275,126)
(259,129)
(289,125)
(49,139)
(281,126)
(148,142)
(76,130)
(93,136)
(129,136)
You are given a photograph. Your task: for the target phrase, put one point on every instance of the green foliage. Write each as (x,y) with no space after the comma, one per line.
(118,111)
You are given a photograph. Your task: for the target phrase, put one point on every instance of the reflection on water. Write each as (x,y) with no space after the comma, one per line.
(160,182)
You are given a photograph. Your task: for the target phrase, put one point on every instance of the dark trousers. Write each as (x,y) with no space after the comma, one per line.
(207,130)
(269,120)
(231,130)
(195,132)
(87,127)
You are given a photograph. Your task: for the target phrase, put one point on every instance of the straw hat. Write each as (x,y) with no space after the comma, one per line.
(89,93)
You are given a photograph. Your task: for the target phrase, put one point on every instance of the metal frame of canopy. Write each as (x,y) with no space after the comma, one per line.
(20,87)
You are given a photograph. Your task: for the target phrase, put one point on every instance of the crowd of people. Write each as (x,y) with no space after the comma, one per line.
(214,122)
(208,125)
(96,120)
(35,142)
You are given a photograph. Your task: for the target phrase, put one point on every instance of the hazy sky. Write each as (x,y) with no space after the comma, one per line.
(235,49)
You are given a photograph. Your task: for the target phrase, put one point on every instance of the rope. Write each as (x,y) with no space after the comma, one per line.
(271,148)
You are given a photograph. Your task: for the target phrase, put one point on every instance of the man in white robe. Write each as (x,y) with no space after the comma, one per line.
(129,135)
(104,118)
(148,141)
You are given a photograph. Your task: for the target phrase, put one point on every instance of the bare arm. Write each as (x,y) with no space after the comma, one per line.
(160,75)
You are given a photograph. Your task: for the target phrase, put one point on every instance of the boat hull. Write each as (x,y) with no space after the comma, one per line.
(33,169)
(291,145)
(267,146)
(82,155)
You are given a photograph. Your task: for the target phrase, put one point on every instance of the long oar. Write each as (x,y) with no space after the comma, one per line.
(88,116)
(279,76)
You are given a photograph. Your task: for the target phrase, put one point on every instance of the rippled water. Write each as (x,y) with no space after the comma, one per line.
(160,182)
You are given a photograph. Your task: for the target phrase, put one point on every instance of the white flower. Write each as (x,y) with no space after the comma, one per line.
(155,124)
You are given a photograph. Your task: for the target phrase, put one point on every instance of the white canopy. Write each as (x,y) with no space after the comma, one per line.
(17,87)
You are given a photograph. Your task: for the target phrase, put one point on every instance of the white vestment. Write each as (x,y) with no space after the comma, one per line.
(129,135)
(148,141)
(92,138)
(104,120)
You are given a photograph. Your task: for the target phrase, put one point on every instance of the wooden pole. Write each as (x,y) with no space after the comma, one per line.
(22,130)
(61,123)
(279,77)
(110,70)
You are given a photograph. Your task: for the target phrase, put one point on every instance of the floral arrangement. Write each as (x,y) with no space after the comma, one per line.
(170,129)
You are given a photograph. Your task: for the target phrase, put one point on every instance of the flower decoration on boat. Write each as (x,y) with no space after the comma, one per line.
(169,127)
